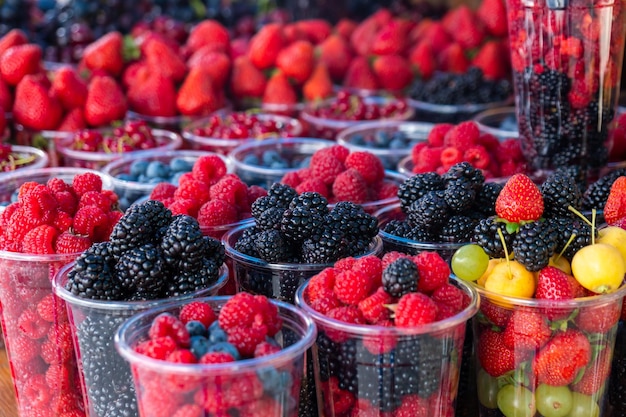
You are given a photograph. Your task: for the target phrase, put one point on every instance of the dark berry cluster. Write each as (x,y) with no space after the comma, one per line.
(151,254)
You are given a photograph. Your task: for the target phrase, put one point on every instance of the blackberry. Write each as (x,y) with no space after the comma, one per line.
(421,358)
(400,277)
(310,200)
(486,197)
(143,268)
(534,244)
(94,278)
(486,235)
(214,250)
(420,234)
(429,212)
(270,218)
(560,191)
(459,195)
(142,223)
(246,245)
(467,171)
(574,234)
(271,246)
(325,246)
(182,245)
(353,221)
(458,229)
(185,282)
(415,187)
(596,195)
(261,204)
(397,228)
(300,223)
(282,194)
(577,173)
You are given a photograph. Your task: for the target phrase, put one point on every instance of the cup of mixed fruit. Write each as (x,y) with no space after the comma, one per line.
(15,157)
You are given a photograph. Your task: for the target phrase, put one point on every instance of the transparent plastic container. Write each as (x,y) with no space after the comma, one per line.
(500,122)
(33,158)
(449,113)
(377,138)
(389,366)
(93,324)
(41,139)
(220,387)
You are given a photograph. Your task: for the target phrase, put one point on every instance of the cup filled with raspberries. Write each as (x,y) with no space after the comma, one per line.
(19,158)
(152,257)
(265,162)
(390,334)
(552,287)
(223,132)
(391,141)
(58,214)
(93,149)
(218,355)
(327,118)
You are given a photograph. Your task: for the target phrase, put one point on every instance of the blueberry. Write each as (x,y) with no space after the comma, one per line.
(225,347)
(180,165)
(156,180)
(304,163)
(216,333)
(274,381)
(251,159)
(279,165)
(359,140)
(199,346)
(271,156)
(138,167)
(397,144)
(126,177)
(381,139)
(195,328)
(157,169)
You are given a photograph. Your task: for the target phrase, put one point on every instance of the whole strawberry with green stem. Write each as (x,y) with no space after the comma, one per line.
(520,201)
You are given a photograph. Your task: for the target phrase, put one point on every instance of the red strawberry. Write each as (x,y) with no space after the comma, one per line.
(437,37)
(208,32)
(3,122)
(6,96)
(553,284)
(247,80)
(13,37)
(266,45)
(345,27)
(197,95)
(292,33)
(615,207)
(598,319)
(493,355)
(360,75)
(393,72)
(364,34)
(453,59)
(153,95)
(492,14)
(423,58)
(560,360)
(595,375)
(73,121)
(296,61)
(315,30)
(468,31)
(392,39)
(105,103)
(335,52)
(216,63)
(319,86)
(69,88)
(20,60)
(160,57)
(34,106)
(105,54)
(279,90)
(492,59)
(520,199)
(526,330)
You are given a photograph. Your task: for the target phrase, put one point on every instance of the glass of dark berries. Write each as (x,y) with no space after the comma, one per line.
(329,117)
(20,158)
(266,162)
(223,132)
(500,122)
(390,141)
(220,361)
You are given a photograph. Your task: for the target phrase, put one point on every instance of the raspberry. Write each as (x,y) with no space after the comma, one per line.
(23,350)
(40,240)
(509,150)
(338,151)
(238,310)
(510,168)
(412,405)
(325,301)
(36,393)
(433,271)
(7,213)
(417,149)
(70,243)
(437,133)
(166,324)
(292,179)
(351,287)
(246,389)
(392,256)
(85,182)
(88,219)
(265,348)
(162,191)
(322,282)
(325,166)
(313,185)
(103,232)
(158,348)
(58,377)
(255,192)
(387,189)
(367,164)
(66,201)
(449,295)
(428,159)
(489,142)
(57,185)
(345,264)
(217,213)
(40,204)
(51,353)
(415,309)
(269,315)
(63,220)
(373,307)
(32,325)
(350,186)
(184,206)
(209,169)
(182,356)
(216,357)
(478,156)
(198,311)
(451,156)
(246,338)
(51,308)
(61,334)
(230,189)
(189,410)
(193,189)
(372,267)
(95,198)
(462,136)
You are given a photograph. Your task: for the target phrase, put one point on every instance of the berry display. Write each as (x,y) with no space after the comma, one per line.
(12,159)
(133,136)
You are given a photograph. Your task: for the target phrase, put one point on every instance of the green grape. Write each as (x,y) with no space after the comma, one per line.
(487,389)
(516,401)
(469,262)
(583,406)
(553,401)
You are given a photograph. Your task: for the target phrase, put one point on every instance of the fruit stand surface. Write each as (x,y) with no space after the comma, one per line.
(7,398)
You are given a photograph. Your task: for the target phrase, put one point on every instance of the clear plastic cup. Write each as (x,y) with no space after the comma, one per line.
(449,113)
(389,370)
(106,376)
(289,110)
(32,158)
(173,123)
(41,139)
(545,377)
(377,138)
(292,153)
(500,122)
(268,385)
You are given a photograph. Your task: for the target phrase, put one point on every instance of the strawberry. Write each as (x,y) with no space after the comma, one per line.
(69,88)
(292,33)
(519,200)
(246,80)
(197,96)
(279,90)
(319,86)
(296,61)
(492,14)
(423,58)
(596,375)
(13,37)
(493,355)
(492,60)
(20,60)
(74,120)
(6,96)
(3,122)
(216,63)
(314,30)
(393,72)
(208,32)
(335,52)
(553,284)
(153,95)
(598,319)
(238,47)
(615,207)
(364,34)
(105,54)
(105,103)
(266,45)
(526,330)
(453,59)
(560,360)
(345,27)
(468,31)
(392,39)
(436,35)
(34,106)
(160,57)
(360,75)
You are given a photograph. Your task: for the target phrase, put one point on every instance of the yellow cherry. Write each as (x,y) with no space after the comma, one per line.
(599,268)
(511,279)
